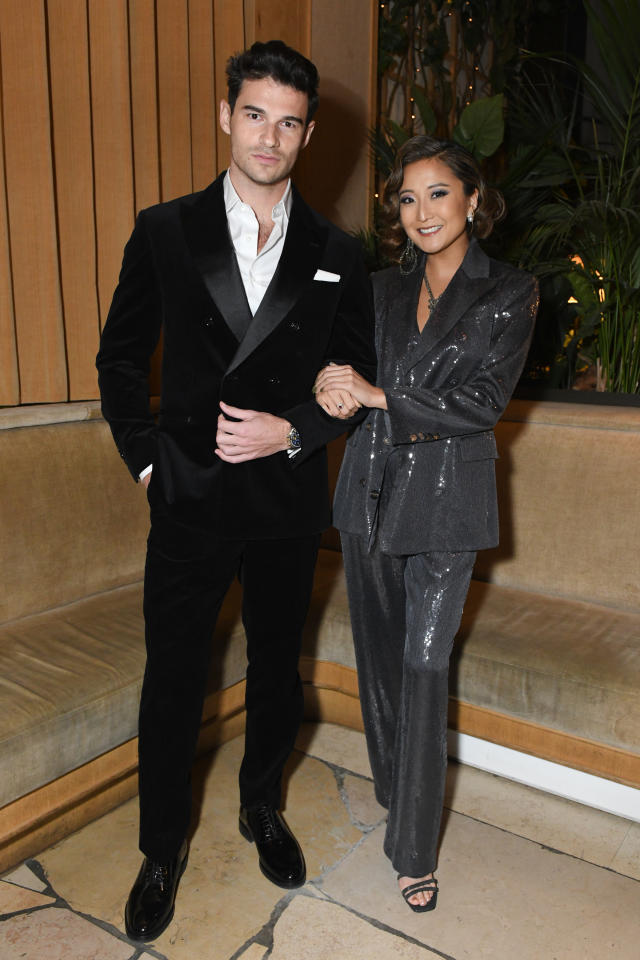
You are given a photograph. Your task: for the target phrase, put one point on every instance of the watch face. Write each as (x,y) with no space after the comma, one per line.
(294,439)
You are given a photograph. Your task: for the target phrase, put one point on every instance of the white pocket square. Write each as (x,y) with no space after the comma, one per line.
(327,276)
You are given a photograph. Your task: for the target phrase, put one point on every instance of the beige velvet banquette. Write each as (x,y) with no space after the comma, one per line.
(547,660)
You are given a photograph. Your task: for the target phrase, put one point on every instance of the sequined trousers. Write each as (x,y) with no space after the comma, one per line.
(405,613)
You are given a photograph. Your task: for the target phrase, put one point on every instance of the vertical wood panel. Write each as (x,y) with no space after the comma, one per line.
(144,102)
(336,169)
(173,97)
(229,39)
(73,152)
(113,157)
(203,101)
(9,379)
(116,108)
(32,223)
(274,20)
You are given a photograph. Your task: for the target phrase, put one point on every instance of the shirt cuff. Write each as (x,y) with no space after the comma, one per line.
(146,470)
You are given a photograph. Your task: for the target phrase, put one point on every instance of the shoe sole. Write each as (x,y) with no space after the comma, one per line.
(246,833)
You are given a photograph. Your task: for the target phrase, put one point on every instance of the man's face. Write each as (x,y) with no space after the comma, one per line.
(268,130)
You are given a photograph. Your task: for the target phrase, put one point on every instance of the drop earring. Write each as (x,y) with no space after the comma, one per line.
(409,258)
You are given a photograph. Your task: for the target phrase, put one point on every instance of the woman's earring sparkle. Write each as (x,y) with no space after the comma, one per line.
(409,258)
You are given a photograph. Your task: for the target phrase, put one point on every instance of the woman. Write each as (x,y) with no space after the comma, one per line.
(416,495)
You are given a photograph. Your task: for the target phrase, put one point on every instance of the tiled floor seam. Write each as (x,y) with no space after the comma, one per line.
(622,842)
(137,950)
(544,846)
(264,936)
(340,773)
(385,928)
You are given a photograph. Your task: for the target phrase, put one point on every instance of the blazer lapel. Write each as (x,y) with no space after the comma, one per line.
(300,257)
(470,282)
(207,234)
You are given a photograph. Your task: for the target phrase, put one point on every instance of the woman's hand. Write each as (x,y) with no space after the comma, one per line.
(345,378)
(337,403)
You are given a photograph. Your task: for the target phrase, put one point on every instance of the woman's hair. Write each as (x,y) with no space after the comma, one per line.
(490,208)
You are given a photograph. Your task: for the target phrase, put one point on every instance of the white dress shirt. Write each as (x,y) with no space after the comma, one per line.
(256,269)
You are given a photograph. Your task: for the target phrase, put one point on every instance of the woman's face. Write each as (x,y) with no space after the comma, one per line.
(434,207)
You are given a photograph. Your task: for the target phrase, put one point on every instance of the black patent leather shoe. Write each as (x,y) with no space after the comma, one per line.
(149,909)
(280,855)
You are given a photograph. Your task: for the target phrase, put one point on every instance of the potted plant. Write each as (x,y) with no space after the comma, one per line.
(582,202)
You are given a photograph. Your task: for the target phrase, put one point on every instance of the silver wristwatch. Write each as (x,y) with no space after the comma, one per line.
(293,439)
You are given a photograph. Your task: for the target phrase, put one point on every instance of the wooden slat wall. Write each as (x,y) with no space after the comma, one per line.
(39,331)
(9,383)
(73,157)
(106,107)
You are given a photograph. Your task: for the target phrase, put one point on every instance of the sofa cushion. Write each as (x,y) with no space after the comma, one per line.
(73,522)
(559,663)
(70,682)
(569,495)
(70,678)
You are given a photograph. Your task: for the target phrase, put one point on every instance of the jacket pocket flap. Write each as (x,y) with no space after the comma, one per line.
(478,446)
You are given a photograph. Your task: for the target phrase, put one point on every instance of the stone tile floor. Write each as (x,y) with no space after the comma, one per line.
(523,876)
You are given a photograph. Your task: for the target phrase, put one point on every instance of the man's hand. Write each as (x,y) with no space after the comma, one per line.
(146,479)
(337,403)
(250,435)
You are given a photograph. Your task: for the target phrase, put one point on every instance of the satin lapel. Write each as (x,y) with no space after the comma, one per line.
(469,283)
(300,259)
(205,227)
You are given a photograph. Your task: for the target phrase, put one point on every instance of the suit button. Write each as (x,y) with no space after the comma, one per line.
(387,440)
(208,321)
(374,494)
(368,426)
(233,377)
(294,325)
(363,482)
(274,381)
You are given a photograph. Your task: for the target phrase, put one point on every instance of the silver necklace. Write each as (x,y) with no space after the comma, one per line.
(431,300)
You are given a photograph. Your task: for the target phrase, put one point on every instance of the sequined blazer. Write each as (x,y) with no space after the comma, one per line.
(421,476)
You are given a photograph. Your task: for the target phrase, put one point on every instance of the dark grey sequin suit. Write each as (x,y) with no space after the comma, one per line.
(416,498)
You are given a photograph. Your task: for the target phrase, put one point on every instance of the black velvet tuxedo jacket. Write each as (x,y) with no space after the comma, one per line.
(421,477)
(180,277)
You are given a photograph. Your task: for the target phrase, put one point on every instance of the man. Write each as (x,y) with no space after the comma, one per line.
(254,293)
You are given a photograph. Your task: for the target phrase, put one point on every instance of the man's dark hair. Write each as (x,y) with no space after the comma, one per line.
(281,63)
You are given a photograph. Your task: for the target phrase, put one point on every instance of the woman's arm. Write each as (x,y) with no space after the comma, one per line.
(344,378)
(417,413)
(420,414)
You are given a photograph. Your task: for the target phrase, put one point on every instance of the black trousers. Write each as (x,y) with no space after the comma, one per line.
(185,583)
(405,613)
